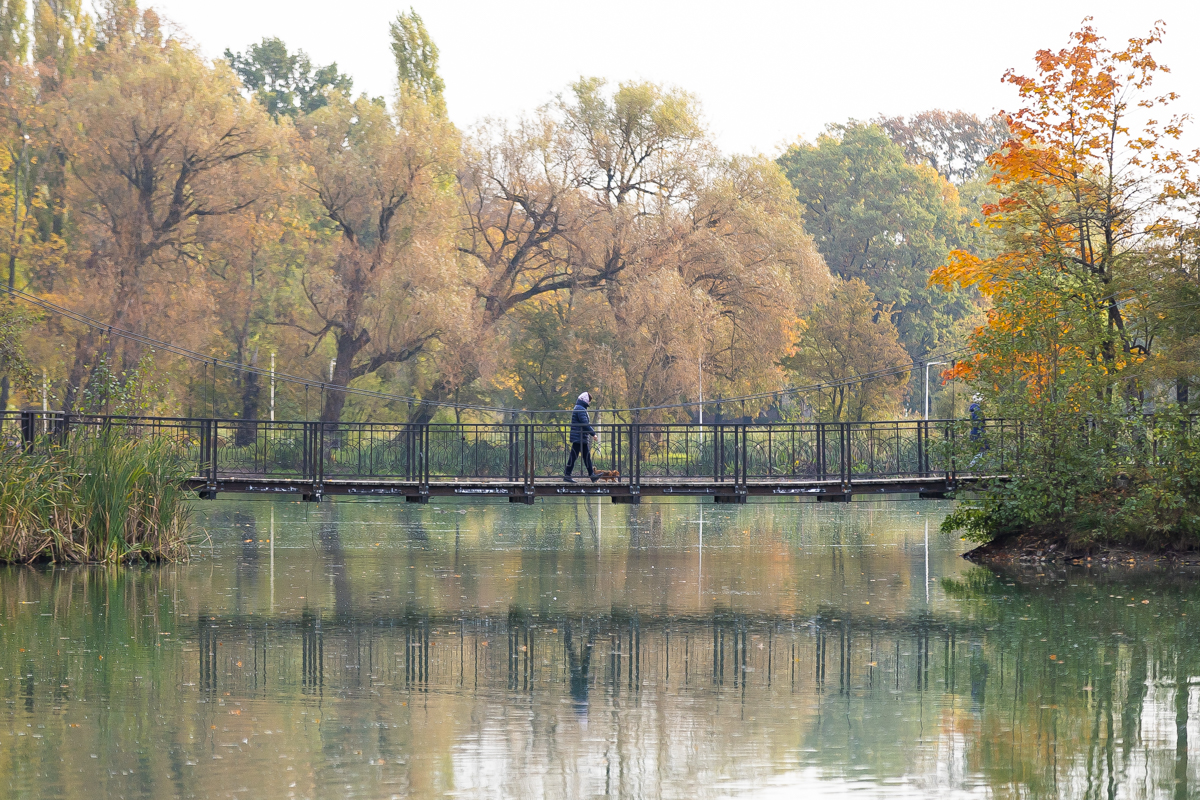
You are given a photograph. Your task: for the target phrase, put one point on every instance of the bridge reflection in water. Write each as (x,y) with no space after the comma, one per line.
(728,462)
(609,655)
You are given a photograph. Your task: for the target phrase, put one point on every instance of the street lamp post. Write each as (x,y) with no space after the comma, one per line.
(927,366)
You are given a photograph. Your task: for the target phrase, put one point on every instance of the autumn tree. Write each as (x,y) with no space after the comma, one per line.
(1084,198)
(380,283)
(161,149)
(743,272)
(622,194)
(247,264)
(1089,185)
(560,202)
(848,335)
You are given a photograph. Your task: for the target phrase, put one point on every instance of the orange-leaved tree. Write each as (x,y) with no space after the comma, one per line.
(1089,181)
(1086,180)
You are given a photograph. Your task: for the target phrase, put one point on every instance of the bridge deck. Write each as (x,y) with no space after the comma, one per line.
(618,491)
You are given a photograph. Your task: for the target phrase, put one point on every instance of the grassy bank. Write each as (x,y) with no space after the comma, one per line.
(109,499)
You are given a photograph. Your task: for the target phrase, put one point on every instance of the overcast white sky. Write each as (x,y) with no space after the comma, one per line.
(766,72)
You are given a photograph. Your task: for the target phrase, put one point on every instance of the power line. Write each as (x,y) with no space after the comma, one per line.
(184,352)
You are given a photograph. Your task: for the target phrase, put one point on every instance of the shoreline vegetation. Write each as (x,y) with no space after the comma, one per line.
(1098,488)
(106,499)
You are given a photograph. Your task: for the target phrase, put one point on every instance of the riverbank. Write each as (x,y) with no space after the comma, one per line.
(1034,547)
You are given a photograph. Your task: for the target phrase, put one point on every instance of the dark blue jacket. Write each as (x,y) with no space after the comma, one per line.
(581,426)
(976,421)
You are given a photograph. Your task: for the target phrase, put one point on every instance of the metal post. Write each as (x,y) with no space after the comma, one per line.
(425,459)
(529,475)
(310,436)
(845,452)
(922,437)
(272,386)
(637,450)
(27,429)
(718,451)
(927,366)
(618,443)
(212,452)
(320,458)
(745,453)
(512,451)
(821,449)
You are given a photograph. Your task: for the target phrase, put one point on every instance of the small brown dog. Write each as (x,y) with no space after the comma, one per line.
(608,475)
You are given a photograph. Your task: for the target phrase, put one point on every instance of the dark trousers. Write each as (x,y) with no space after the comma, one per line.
(576,447)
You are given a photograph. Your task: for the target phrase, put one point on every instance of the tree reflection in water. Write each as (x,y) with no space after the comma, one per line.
(423,651)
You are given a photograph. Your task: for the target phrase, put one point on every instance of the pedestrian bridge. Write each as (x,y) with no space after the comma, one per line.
(521,462)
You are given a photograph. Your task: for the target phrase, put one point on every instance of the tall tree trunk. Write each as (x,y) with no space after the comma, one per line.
(247,432)
(348,346)
(84,347)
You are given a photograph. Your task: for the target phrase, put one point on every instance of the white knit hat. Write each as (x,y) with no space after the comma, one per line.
(585,397)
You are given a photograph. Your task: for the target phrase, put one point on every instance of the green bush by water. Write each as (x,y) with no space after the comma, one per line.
(1117,482)
(106,499)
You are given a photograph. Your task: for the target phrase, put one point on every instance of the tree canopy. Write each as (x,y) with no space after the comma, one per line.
(875,217)
(286,83)
(1090,280)
(253,208)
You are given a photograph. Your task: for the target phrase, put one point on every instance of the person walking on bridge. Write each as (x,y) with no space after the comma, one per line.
(581,438)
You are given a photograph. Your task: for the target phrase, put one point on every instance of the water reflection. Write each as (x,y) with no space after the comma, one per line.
(574,650)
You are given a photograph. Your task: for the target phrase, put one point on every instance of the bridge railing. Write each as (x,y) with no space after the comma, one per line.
(733,453)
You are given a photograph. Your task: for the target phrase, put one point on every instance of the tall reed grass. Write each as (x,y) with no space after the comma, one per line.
(109,498)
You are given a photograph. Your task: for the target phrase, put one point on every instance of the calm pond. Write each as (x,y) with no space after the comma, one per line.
(590,650)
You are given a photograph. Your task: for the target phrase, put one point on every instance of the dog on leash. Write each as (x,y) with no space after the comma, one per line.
(608,475)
